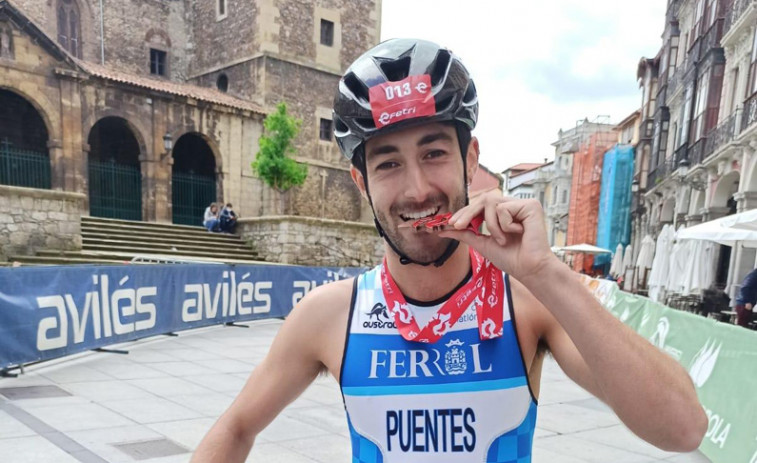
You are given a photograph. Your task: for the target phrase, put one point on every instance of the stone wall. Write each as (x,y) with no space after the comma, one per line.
(311,241)
(32,220)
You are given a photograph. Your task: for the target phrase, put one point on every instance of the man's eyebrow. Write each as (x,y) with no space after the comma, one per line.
(383,149)
(432,137)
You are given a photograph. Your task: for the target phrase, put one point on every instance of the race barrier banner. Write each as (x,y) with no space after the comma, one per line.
(57,311)
(720,358)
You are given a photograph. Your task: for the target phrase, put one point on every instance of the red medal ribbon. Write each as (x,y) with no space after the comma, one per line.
(485,291)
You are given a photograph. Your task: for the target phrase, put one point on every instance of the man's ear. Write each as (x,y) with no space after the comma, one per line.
(471,160)
(359,180)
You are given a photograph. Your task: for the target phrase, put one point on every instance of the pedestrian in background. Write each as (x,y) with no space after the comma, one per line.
(746,299)
(210,219)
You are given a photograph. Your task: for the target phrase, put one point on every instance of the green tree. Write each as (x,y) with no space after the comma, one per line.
(272,163)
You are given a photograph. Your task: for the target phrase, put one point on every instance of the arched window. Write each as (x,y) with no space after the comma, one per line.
(68,26)
(222,83)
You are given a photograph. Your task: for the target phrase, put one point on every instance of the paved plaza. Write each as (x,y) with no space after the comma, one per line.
(157,402)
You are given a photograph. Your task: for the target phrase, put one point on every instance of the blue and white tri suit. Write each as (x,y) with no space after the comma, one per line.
(457,400)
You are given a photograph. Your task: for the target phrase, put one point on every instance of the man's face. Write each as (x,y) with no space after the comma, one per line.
(414,173)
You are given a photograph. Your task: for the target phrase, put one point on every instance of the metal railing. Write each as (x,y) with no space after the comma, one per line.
(191,195)
(157,259)
(25,168)
(722,134)
(660,173)
(696,152)
(115,190)
(713,36)
(749,116)
(737,10)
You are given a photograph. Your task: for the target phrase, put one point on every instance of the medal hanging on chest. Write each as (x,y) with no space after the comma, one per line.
(485,291)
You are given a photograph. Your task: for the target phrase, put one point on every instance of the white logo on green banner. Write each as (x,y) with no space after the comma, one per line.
(704,362)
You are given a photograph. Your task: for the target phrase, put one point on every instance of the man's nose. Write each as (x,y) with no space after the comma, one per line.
(417,187)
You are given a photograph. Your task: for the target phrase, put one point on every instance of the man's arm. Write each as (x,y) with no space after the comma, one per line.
(650,392)
(293,362)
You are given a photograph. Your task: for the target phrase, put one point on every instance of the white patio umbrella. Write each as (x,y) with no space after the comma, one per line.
(646,253)
(644,262)
(627,268)
(722,231)
(658,276)
(746,220)
(617,262)
(586,249)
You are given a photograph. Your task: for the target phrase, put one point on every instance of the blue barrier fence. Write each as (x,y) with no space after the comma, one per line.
(57,311)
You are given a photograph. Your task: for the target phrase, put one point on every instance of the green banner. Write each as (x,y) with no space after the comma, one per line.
(720,358)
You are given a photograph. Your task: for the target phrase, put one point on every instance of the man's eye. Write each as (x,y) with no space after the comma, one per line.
(386,165)
(435,153)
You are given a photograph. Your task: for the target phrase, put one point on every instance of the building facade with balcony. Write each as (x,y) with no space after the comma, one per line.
(705,124)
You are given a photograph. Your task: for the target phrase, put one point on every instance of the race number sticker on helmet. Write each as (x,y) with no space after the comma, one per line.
(405,99)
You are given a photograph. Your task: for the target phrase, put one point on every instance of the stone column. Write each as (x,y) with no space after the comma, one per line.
(148,167)
(57,165)
(745,201)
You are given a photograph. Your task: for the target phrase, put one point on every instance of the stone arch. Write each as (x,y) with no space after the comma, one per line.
(24,142)
(725,188)
(195,181)
(44,109)
(114,177)
(133,124)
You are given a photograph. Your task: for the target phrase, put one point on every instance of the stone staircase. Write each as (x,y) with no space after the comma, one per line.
(109,241)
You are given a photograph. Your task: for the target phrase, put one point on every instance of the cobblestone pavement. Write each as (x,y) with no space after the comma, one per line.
(157,402)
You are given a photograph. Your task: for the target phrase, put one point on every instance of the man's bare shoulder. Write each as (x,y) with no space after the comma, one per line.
(319,322)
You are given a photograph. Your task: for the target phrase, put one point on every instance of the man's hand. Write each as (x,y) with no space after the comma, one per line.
(518,242)
(748,306)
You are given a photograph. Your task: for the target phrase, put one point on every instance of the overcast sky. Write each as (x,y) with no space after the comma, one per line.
(539,65)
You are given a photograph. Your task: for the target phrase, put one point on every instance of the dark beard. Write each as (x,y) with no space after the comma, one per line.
(424,247)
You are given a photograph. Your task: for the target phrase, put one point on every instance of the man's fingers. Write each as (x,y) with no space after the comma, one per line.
(493,225)
(510,217)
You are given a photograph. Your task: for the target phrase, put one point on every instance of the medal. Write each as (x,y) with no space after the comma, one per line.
(485,291)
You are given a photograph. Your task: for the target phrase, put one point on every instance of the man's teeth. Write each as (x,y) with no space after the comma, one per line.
(420,215)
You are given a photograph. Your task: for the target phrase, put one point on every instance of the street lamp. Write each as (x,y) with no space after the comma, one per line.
(683,166)
(167,145)
(635,186)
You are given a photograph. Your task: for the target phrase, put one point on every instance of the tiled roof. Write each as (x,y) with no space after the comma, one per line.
(174,88)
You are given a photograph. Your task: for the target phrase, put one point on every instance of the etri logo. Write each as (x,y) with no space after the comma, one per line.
(383,320)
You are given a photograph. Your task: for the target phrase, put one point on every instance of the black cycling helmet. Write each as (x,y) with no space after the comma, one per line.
(397,84)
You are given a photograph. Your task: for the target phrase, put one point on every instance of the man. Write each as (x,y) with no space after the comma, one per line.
(228,219)
(746,299)
(433,367)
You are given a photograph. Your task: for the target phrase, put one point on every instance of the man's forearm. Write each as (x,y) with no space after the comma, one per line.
(651,393)
(222,445)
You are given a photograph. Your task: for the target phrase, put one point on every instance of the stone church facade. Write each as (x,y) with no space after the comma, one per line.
(148,110)
(201,73)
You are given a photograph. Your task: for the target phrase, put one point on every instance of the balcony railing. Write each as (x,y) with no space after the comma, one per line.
(738,9)
(721,135)
(696,152)
(750,113)
(712,38)
(661,172)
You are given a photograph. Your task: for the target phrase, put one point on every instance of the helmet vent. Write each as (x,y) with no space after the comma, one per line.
(470,94)
(444,105)
(396,70)
(355,86)
(441,63)
(365,123)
